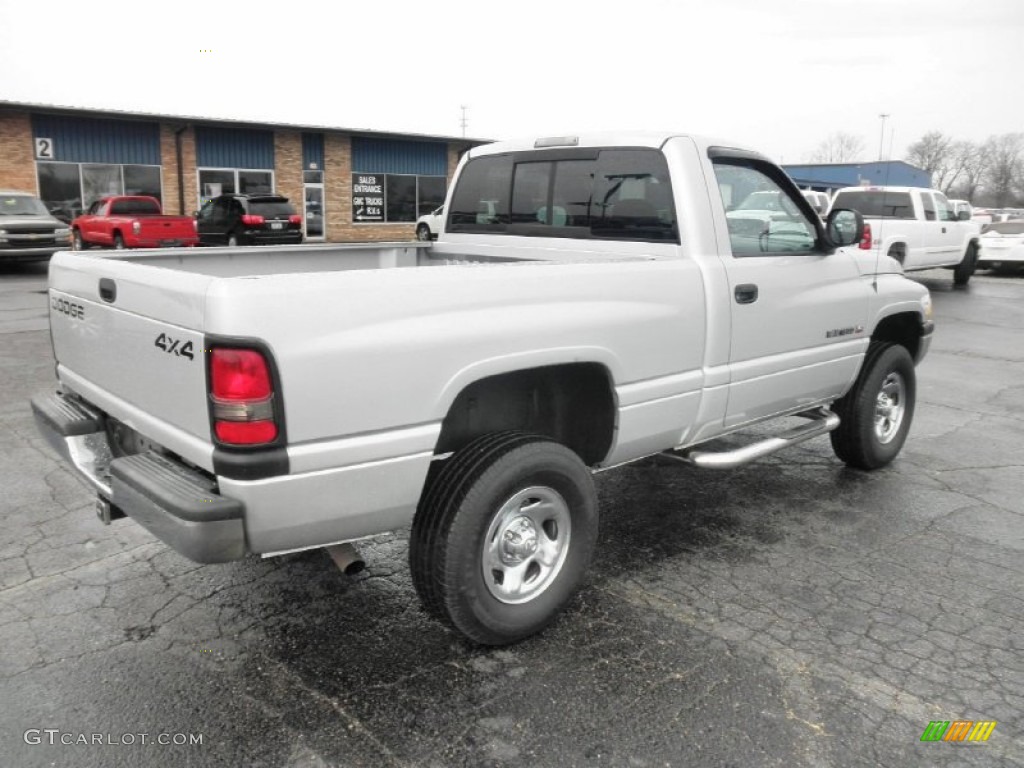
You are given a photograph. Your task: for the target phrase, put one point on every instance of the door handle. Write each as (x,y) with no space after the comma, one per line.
(746,293)
(108,290)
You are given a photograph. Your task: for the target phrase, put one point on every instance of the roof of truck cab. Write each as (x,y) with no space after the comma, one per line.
(885,189)
(654,139)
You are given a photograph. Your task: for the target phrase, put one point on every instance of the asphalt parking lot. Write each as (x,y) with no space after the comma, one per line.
(791,613)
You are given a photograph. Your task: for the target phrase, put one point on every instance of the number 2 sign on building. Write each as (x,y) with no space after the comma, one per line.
(367,197)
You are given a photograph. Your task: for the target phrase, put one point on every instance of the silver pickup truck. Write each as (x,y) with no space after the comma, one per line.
(588,302)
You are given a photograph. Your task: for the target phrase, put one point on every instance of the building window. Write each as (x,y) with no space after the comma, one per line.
(67,189)
(229,181)
(395,198)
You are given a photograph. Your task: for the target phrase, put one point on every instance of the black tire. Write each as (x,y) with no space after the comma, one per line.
(963,271)
(860,440)
(490,487)
(232,240)
(77,242)
(423,233)
(118,242)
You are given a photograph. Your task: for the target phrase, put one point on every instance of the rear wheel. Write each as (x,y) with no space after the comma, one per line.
(118,242)
(503,535)
(423,232)
(963,271)
(875,415)
(232,240)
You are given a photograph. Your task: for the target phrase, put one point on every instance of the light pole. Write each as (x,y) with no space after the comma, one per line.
(881,137)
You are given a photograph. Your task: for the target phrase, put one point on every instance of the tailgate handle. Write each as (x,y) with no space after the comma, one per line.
(108,290)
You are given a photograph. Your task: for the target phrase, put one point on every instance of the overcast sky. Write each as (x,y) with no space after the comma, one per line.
(777,75)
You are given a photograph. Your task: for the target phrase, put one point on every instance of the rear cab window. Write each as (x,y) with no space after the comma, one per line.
(609,194)
(876,203)
(134,208)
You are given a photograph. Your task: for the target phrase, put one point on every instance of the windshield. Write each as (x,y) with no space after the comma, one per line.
(271,207)
(22,205)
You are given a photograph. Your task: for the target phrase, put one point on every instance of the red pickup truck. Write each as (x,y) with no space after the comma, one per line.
(131,222)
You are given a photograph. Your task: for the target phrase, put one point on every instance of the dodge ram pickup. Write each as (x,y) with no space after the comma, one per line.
(588,303)
(131,222)
(917,227)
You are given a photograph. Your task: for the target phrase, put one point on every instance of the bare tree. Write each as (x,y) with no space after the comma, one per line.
(839,148)
(935,152)
(972,160)
(1005,167)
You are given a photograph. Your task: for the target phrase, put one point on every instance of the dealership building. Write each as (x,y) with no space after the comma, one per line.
(349,185)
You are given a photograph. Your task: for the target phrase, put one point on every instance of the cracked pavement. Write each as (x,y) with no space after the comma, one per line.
(790,613)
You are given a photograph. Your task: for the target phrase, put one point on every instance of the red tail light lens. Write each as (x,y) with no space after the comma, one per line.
(295,219)
(242,393)
(865,240)
(252,220)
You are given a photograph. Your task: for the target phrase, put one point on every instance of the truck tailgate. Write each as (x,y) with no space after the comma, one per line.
(167,228)
(129,338)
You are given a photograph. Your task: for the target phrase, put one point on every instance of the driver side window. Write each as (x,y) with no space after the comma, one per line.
(763,219)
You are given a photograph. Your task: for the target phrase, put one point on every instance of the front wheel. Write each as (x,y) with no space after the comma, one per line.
(963,271)
(423,233)
(503,535)
(77,242)
(875,415)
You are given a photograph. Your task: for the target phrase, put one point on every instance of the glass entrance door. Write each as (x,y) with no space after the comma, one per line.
(313,221)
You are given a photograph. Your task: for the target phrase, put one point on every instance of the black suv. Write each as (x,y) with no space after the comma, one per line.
(249,220)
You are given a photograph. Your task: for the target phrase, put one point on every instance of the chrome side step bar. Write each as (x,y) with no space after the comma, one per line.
(823,421)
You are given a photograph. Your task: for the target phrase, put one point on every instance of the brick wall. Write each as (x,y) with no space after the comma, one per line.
(169,161)
(17,161)
(288,167)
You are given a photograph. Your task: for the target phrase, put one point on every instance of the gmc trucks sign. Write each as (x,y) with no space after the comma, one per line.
(367,197)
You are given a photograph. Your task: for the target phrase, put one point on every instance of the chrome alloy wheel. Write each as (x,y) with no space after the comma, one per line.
(890,407)
(526,544)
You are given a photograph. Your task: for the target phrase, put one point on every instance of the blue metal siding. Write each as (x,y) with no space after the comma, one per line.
(893,174)
(93,140)
(424,158)
(312,150)
(234,148)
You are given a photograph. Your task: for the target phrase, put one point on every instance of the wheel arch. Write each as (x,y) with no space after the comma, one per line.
(903,328)
(571,403)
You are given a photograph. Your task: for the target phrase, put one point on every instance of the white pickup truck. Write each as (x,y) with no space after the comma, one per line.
(587,303)
(917,227)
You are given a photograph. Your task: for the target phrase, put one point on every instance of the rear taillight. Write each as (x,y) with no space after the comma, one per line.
(252,220)
(865,239)
(295,219)
(242,393)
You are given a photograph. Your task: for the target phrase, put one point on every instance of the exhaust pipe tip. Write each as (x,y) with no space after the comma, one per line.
(347,558)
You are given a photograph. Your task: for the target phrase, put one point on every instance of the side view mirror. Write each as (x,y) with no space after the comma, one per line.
(963,216)
(844,226)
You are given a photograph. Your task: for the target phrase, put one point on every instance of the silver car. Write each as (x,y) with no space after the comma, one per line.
(27,230)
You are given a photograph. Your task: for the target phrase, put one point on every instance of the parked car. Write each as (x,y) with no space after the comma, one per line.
(131,221)
(962,205)
(915,226)
(1001,246)
(28,232)
(428,225)
(819,201)
(249,220)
